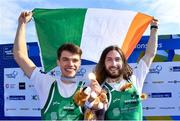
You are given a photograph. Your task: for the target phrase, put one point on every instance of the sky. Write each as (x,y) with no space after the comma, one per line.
(166,11)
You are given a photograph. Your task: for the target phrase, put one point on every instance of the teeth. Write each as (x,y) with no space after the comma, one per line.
(113,69)
(70,69)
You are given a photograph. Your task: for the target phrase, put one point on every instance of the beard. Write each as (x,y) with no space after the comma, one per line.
(113,75)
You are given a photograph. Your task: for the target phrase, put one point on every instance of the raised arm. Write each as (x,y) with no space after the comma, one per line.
(20,47)
(151,48)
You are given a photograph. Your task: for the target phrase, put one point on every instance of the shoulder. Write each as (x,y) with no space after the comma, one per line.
(40,75)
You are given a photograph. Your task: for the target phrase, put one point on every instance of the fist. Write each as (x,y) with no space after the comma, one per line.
(25,17)
(154,22)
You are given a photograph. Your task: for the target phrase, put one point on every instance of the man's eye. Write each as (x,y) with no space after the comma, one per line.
(118,59)
(108,59)
(75,60)
(65,59)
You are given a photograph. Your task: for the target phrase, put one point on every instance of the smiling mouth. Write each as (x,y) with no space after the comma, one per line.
(70,69)
(113,68)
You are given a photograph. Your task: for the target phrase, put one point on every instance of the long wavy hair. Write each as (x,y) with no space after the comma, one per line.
(100,69)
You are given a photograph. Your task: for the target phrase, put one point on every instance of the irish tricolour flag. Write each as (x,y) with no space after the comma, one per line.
(91,29)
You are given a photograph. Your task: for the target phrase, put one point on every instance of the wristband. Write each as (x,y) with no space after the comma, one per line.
(153,26)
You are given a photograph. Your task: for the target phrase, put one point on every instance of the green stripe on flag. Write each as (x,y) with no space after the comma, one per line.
(55,27)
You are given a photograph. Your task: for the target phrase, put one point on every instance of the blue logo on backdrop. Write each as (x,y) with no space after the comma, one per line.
(16,97)
(22,85)
(149,108)
(8,53)
(142,46)
(167,108)
(174,81)
(174,69)
(35,97)
(10,86)
(161,95)
(37,109)
(158,82)
(55,73)
(157,69)
(12,75)
(10,109)
(52,73)
(81,72)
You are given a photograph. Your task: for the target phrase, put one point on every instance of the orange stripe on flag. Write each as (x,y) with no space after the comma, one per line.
(135,32)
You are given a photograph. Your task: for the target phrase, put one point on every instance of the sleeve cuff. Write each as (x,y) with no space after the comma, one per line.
(33,73)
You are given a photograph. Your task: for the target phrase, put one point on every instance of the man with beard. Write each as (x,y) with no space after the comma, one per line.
(125,85)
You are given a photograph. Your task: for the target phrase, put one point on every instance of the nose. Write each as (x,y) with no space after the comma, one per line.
(70,63)
(114,63)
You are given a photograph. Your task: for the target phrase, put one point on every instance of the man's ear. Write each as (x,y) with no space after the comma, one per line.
(58,63)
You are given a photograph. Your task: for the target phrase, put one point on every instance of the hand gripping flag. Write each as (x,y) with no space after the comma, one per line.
(91,29)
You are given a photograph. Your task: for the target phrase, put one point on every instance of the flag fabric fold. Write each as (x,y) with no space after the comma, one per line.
(91,29)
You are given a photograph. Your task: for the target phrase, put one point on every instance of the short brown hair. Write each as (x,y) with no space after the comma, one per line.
(69,47)
(100,67)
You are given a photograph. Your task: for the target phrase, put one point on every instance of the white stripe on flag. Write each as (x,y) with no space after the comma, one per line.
(177,52)
(103,28)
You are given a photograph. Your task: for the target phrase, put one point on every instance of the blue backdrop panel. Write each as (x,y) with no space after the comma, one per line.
(7,61)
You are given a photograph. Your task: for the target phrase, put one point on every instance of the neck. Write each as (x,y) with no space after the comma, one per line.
(111,80)
(68,80)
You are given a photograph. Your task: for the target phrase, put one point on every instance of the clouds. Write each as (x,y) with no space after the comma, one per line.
(168,14)
(165,10)
(8,18)
(9,12)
